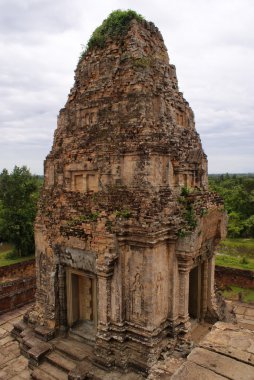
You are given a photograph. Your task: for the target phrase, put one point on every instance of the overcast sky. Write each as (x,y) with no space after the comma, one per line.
(211,42)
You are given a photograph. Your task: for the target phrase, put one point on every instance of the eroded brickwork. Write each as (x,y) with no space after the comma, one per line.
(125,214)
(18,270)
(17,285)
(16,293)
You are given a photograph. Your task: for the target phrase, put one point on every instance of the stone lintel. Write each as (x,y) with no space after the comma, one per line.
(146,239)
(79,259)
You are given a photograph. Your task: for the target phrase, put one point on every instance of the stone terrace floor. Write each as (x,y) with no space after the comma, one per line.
(244,315)
(13,365)
(227,352)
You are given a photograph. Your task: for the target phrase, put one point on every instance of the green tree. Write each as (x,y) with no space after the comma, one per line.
(235,225)
(238,193)
(249,226)
(18,197)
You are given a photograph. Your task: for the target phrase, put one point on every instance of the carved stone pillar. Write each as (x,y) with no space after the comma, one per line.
(103,299)
(174,298)
(183,295)
(210,282)
(62,298)
(104,278)
(184,265)
(199,291)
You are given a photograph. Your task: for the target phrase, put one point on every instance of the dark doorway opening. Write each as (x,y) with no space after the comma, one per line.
(195,292)
(81,304)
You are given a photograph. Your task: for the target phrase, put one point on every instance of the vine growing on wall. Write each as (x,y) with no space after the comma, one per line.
(188,211)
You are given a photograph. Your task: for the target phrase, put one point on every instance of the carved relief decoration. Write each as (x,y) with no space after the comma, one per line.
(159,291)
(137,298)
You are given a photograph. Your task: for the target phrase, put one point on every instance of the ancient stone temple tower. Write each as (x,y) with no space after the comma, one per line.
(126,228)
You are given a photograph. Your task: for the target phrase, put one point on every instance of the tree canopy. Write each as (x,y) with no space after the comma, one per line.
(238,194)
(18,197)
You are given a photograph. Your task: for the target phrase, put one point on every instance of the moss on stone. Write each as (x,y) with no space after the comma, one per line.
(143,62)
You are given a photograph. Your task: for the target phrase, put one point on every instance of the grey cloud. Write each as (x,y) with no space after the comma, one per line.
(210,42)
(32,155)
(27,16)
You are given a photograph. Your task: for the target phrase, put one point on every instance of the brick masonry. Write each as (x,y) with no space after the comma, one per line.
(16,293)
(17,285)
(18,270)
(231,276)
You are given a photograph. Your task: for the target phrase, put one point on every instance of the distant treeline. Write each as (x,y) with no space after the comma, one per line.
(231,175)
(238,193)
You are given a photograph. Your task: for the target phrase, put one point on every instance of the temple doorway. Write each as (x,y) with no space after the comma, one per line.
(195,293)
(81,303)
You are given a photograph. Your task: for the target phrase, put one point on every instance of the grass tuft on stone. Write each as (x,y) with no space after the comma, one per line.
(115,26)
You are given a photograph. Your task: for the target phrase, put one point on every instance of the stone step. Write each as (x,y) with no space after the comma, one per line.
(20,325)
(83,370)
(74,349)
(44,333)
(27,332)
(47,371)
(37,353)
(18,329)
(61,361)
(30,341)
(84,332)
(80,337)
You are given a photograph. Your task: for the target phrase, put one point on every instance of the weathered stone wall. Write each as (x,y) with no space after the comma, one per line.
(16,293)
(145,285)
(126,201)
(231,276)
(19,270)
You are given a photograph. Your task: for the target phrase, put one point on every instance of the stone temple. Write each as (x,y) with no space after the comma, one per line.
(126,228)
